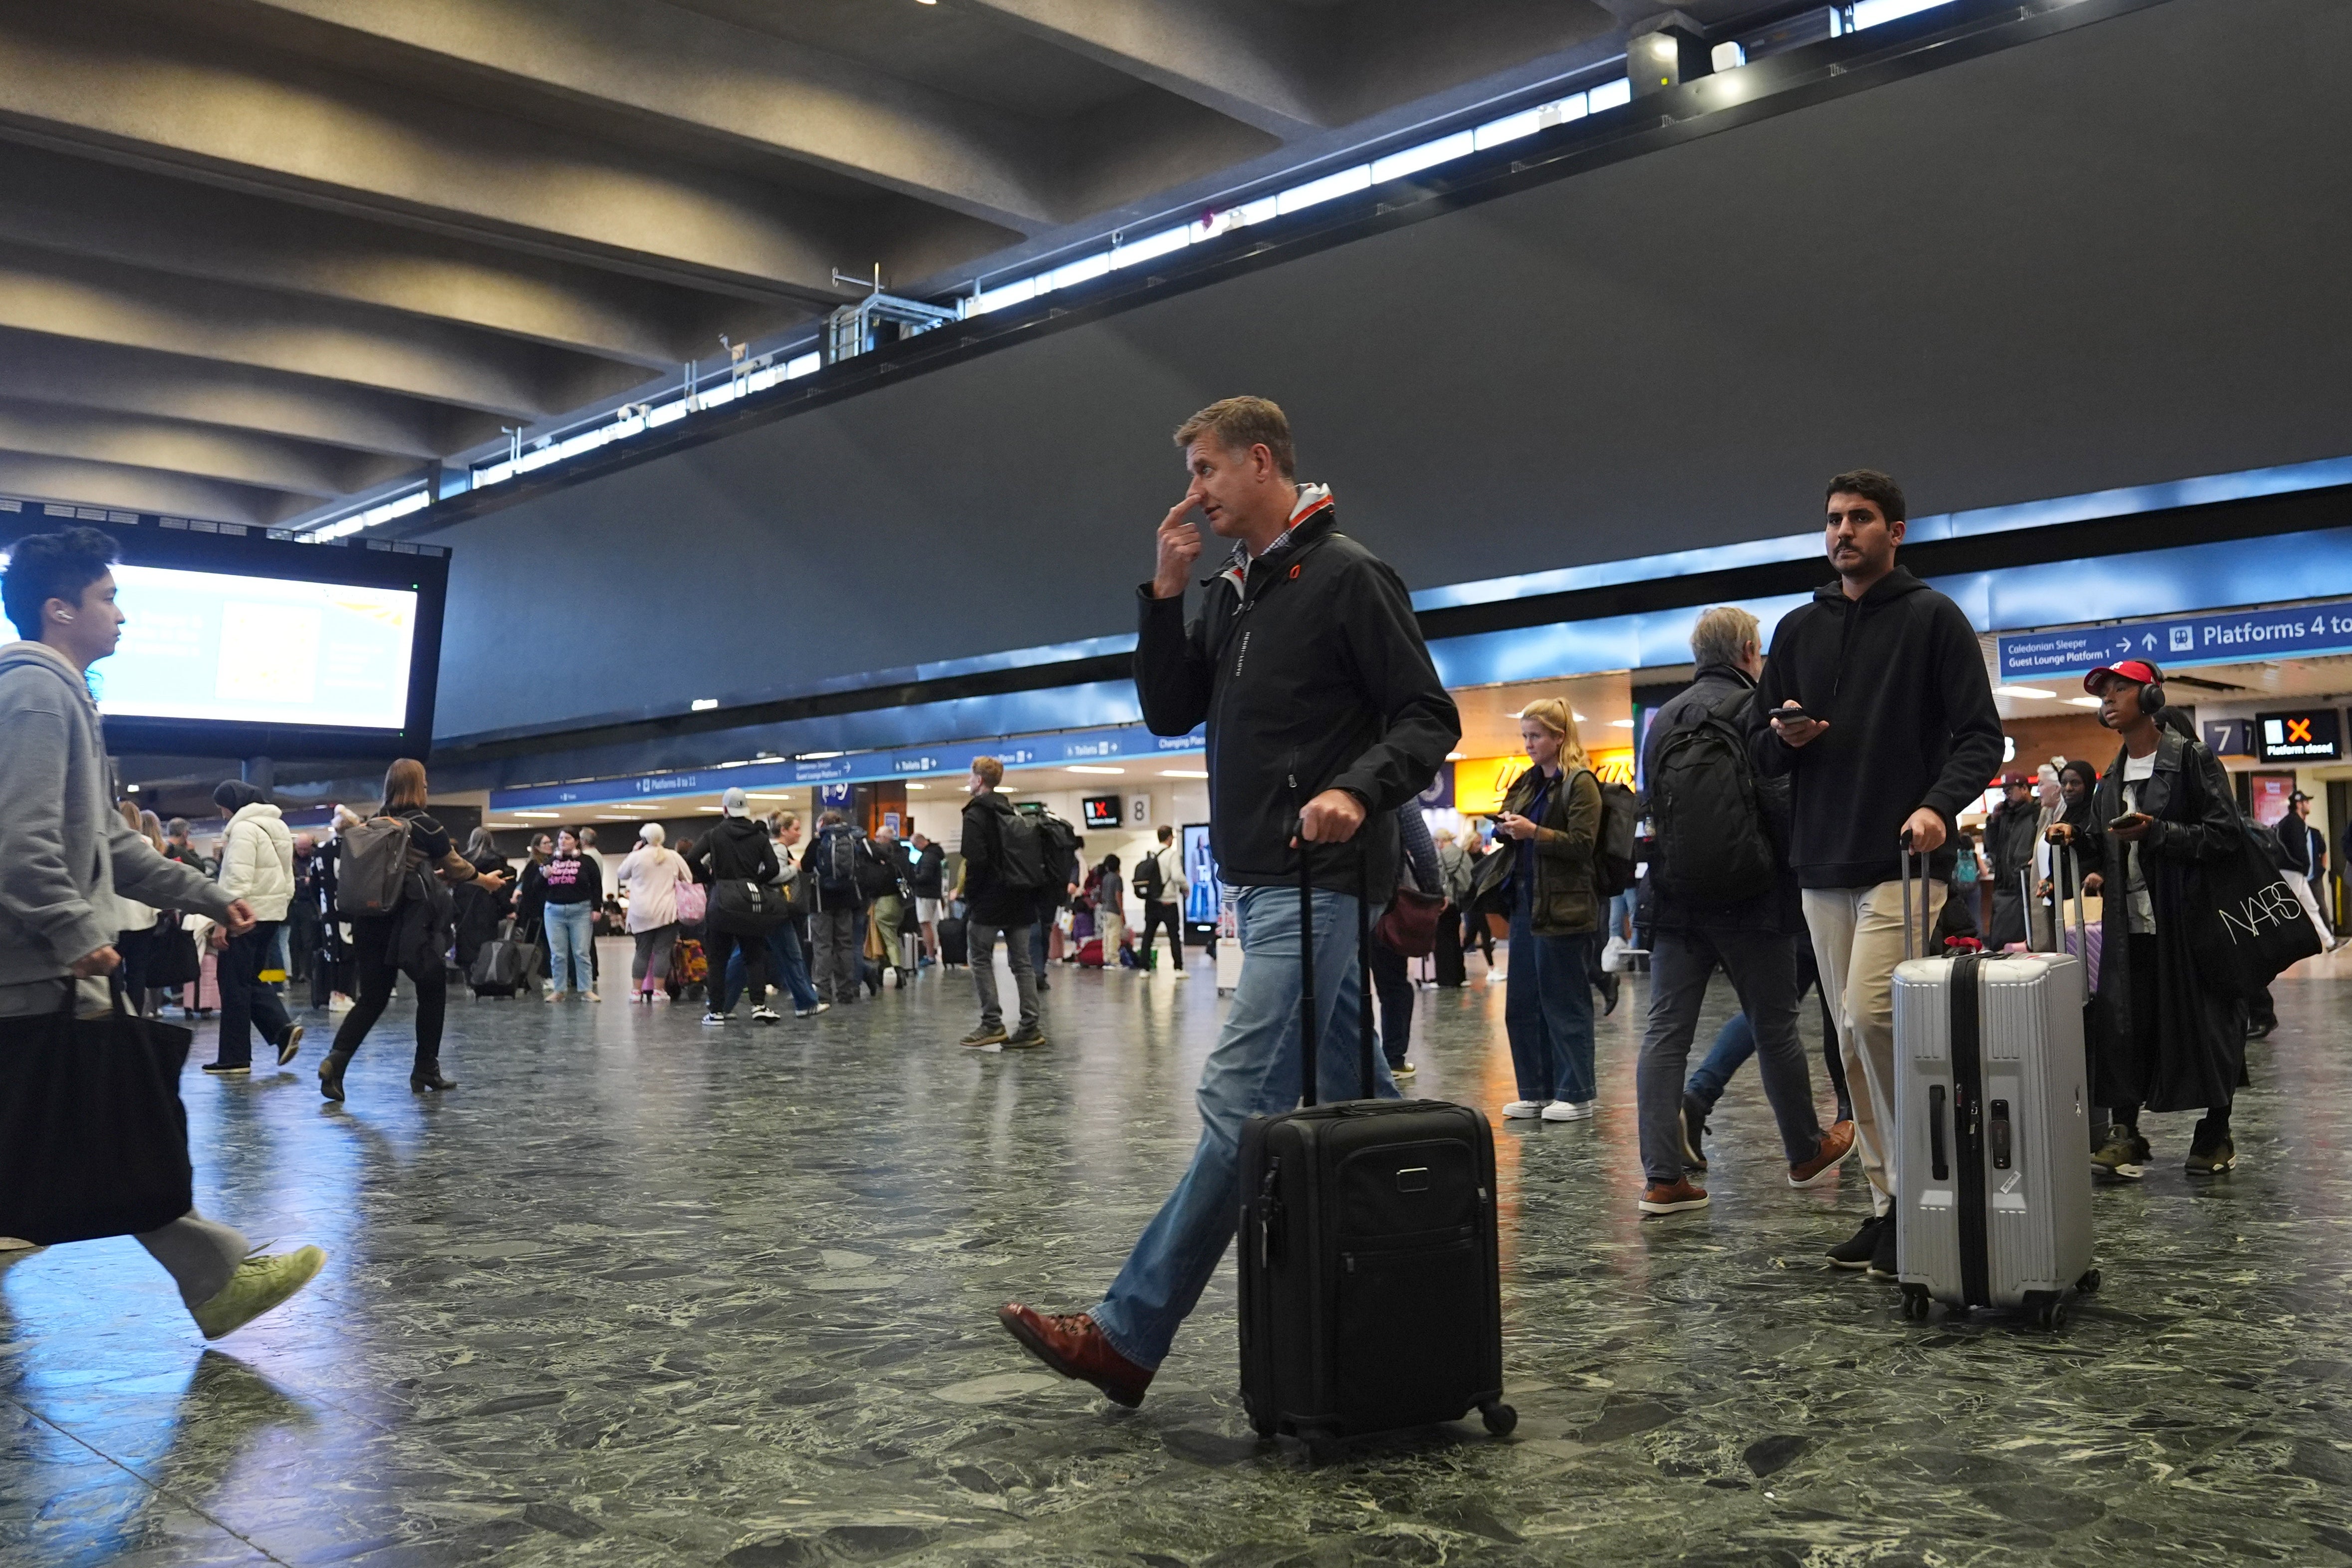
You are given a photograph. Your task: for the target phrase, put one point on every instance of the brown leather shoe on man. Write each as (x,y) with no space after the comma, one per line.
(1072,1345)
(1836,1144)
(1673,1198)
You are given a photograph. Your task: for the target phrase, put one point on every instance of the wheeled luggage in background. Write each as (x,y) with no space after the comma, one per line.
(208,983)
(1370,1295)
(504,966)
(1091,953)
(954,947)
(1992,1133)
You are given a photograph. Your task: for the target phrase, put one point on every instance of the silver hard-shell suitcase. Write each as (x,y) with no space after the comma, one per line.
(1992,1107)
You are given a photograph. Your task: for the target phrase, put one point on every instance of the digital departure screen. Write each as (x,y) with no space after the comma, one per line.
(260,651)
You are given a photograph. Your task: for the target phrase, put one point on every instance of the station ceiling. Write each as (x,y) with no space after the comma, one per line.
(260,255)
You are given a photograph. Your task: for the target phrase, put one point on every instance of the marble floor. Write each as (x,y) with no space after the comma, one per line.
(640,1292)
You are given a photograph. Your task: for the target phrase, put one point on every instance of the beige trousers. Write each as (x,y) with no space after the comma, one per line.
(1857,941)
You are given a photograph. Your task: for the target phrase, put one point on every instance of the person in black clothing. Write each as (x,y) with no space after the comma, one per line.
(925,870)
(2161,1039)
(2009,845)
(738,850)
(410,938)
(2306,862)
(1750,932)
(2076,780)
(999,902)
(481,904)
(1325,714)
(314,889)
(1895,731)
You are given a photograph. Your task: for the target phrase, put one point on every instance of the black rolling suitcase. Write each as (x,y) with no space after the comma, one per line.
(1369,1298)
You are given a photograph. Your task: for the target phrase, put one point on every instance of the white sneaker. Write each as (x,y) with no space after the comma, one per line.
(338,1003)
(711,1020)
(590,997)
(1569,1110)
(1495,977)
(1524,1110)
(766,1014)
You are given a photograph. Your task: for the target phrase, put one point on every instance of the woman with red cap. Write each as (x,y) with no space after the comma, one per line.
(2162,1039)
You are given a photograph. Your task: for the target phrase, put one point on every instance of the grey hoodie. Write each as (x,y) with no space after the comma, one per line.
(65,851)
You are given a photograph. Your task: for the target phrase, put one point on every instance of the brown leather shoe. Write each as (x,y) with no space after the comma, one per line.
(1072,1345)
(1836,1144)
(1673,1198)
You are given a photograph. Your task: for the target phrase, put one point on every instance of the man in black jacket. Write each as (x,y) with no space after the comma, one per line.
(2306,862)
(1325,715)
(924,868)
(2011,834)
(998,901)
(1698,923)
(1895,733)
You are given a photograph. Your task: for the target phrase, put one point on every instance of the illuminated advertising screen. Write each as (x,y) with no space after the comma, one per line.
(1200,873)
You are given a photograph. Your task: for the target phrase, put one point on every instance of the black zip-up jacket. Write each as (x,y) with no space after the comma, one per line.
(2011,834)
(924,868)
(992,903)
(1899,677)
(1314,677)
(1776,909)
(736,848)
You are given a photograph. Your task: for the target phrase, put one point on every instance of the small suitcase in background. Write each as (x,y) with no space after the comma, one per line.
(208,983)
(1370,1298)
(1091,953)
(1992,1130)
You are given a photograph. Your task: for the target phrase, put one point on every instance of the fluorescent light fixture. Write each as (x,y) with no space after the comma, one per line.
(1510,128)
(1454,757)
(987,299)
(1091,768)
(1871,12)
(714,810)
(2082,703)
(1572,713)
(1728,57)
(542,815)
(1328,188)
(749,794)
(1078,271)
(703,704)
(1610,95)
(414,500)
(913,786)
(130,789)
(613,817)
(808,364)
(1183,773)
(1620,723)
(1412,159)
(1152,245)
(2034,692)
(819,756)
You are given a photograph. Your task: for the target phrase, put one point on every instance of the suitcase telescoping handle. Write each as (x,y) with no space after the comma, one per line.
(1309,1041)
(1927,932)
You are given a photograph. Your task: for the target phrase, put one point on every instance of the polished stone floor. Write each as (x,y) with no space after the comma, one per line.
(639,1292)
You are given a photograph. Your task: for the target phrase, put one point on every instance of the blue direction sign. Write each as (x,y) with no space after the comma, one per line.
(2231,636)
(1127,740)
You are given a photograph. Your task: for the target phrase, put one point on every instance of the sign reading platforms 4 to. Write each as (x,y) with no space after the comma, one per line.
(2232,637)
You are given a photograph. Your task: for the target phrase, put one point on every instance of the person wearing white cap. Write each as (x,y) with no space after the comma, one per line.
(736,853)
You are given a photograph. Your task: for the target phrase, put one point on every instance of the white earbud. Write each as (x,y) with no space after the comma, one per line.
(65,615)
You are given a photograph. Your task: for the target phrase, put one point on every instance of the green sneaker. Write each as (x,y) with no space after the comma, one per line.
(2123,1155)
(2220,1157)
(258,1284)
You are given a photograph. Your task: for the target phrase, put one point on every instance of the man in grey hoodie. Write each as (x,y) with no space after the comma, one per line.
(65,853)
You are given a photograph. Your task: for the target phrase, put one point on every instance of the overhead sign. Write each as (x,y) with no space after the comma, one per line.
(2308,735)
(2232,637)
(1125,740)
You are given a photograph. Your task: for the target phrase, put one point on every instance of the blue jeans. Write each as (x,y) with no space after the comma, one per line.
(784,961)
(1547,1013)
(571,935)
(1253,1071)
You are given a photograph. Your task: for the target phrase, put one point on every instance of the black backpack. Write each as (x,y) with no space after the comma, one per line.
(1615,854)
(1149,883)
(1712,842)
(836,866)
(1058,845)
(1021,861)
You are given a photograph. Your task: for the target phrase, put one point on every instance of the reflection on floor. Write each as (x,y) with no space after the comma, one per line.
(640,1292)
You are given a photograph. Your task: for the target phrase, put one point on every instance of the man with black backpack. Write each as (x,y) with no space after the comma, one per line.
(836,909)
(1160,888)
(1724,895)
(1003,876)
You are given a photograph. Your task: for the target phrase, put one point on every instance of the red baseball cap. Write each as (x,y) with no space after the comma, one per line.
(2136,670)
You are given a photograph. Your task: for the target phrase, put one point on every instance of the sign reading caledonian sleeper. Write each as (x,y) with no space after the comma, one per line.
(2232,637)
(1124,742)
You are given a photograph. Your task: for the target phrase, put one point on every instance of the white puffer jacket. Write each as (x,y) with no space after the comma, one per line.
(258,861)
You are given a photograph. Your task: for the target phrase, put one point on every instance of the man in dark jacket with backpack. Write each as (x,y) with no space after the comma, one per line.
(1890,730)
(1325,714)
(837,911)
(1004,873)
(1723,895)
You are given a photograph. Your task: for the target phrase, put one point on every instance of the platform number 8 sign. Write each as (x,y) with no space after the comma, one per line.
(1143,810)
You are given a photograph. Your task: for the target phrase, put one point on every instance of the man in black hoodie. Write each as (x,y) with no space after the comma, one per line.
(1895,731)
(1325,715)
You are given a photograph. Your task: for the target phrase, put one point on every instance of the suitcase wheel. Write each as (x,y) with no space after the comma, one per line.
(2045,1309)
(1916,1302)
(2088,1285)
(1499,1417)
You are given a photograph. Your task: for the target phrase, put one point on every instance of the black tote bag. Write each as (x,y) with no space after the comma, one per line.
(93,1138)
(176,962)
(2245,924)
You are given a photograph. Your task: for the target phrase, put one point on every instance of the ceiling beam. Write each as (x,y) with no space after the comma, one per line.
(130,87)
(1243,61)
(102,301)
(236,398)
(95,208)
(747,88)
(143,490)
(208,451)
